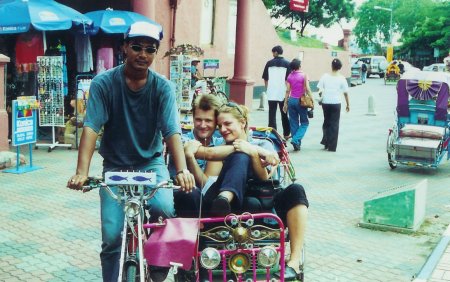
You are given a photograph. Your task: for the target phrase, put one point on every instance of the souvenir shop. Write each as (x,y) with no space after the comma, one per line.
(63,70)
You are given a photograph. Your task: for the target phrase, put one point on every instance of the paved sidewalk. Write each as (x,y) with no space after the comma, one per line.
(51,233)
(441,271)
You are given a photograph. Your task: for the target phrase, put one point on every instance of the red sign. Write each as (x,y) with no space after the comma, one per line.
(299,5)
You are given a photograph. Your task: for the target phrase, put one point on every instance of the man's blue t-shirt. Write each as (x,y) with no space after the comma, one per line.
(134,121)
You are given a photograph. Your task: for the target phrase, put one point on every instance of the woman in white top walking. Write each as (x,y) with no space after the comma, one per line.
(331,87)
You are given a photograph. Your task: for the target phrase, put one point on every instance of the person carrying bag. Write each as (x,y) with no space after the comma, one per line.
(297,90)
(306,100)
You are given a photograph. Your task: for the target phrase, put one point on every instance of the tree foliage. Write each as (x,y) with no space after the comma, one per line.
(432,32)
(420,23)
(320,12)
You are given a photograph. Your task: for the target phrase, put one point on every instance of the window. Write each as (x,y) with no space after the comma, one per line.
(207,22)
(232,18)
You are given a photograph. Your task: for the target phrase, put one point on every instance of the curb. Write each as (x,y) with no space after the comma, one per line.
(434,259)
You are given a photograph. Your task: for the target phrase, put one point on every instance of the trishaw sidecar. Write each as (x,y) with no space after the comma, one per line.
(421,134)
(238,247)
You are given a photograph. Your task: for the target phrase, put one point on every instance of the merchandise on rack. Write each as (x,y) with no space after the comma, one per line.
(50,95)
(180,75)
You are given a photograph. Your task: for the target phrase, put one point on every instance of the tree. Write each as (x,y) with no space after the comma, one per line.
(373,26)
(433,32)
(320,12)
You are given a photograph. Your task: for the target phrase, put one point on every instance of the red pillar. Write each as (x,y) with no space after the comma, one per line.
(4,146)
(145,7)
(241,85)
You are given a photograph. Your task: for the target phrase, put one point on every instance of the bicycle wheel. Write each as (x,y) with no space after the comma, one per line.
(222,96)
(131,273)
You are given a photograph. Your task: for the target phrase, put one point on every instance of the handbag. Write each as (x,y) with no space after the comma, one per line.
(306,101)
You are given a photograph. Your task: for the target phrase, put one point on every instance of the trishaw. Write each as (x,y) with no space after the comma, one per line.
(238,247)
(420,135)
(392,74)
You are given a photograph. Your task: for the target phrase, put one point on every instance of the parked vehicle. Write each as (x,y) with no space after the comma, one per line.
(420,135)
(214,86)
(435,67)
(375,65)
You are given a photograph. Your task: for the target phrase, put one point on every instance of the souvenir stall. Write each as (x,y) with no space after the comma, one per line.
(180,74)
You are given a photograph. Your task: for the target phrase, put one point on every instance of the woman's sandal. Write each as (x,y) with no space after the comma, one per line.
(289,274)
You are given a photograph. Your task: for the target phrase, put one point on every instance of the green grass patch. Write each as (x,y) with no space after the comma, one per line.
(307,42)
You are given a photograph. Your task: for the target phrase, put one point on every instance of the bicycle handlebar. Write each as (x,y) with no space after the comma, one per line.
(95,182)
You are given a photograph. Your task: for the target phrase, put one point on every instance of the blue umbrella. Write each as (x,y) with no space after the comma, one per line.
(16,16)
(115,21)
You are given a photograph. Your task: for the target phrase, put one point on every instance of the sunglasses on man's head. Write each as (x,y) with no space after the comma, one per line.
(148,50)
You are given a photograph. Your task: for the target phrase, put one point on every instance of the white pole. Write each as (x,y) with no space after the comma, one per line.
(44,39)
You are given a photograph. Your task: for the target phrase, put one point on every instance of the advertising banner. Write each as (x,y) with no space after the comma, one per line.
(24,120)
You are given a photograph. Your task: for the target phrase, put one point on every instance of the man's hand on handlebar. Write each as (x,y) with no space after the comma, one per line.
(186,180)
(76,182)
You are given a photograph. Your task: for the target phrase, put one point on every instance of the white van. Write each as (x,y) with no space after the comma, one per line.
(375,65)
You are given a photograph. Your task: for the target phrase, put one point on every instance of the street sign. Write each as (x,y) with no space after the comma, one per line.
(211,63)
(299,5)
(436,53)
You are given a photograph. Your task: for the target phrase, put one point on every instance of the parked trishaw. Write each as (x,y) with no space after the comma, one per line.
(420,135)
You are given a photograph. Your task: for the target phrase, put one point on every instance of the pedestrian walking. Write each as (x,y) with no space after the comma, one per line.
(331,87)
(363,72)
(137,109)
(275,75)
(297,85)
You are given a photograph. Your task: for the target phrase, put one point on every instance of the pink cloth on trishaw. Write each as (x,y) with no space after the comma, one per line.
(175,242)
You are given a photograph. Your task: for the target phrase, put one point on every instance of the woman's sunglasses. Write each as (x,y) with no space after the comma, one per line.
(234,105)
(138,49)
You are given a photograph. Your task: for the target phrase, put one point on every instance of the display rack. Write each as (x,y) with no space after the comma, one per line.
(180,75)
(50,96)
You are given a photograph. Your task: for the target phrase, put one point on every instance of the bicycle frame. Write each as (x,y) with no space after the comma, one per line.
(132,247)
(134,195)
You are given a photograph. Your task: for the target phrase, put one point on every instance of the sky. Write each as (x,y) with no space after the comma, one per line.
(333,34)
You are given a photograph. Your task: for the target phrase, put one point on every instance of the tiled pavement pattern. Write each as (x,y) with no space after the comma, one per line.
(50,233)
(441,272)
